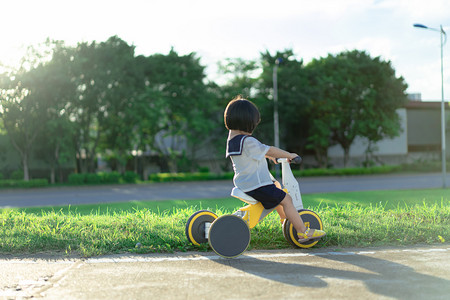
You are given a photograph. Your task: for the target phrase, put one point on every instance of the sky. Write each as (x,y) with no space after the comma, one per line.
(217,30)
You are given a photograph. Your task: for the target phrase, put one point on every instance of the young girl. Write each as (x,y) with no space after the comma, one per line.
(252,174)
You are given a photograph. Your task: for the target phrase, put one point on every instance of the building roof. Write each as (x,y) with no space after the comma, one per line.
(426,105)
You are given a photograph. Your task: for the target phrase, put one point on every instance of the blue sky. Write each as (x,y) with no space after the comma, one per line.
(220,29)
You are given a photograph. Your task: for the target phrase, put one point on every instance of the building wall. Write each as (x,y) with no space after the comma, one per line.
(419,140)
(424,130)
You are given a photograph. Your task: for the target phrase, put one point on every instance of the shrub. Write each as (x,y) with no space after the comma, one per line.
(346,171)
(17,175)
(111,177)
(203,170)
(167,177)
(130,177)
(10,183)
(93,178)
(76,178)
(33,183)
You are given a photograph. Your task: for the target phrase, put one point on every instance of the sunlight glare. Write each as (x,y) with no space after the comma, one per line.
(10,58)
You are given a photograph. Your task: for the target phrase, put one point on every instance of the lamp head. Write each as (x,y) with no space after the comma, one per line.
(420,26)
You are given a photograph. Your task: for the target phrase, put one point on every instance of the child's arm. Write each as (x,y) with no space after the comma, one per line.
(275,152)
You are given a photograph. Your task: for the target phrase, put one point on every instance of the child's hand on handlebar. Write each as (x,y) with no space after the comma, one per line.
(291,157)
(273,159)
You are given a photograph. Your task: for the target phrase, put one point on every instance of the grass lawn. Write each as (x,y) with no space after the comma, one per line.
(354,219)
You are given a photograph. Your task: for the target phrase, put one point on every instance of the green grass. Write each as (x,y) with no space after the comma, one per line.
(159,207)
(388,199)
(356,219)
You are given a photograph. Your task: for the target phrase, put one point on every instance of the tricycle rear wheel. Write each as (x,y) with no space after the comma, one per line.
(196,226)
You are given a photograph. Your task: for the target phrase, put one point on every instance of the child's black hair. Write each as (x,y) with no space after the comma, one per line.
(241,114)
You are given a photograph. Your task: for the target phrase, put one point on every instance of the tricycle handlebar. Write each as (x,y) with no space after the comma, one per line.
(297,160)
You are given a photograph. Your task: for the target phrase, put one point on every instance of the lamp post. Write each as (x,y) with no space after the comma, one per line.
(442,34)
(276,130)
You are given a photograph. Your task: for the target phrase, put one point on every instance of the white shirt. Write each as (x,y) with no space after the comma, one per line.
(249,163)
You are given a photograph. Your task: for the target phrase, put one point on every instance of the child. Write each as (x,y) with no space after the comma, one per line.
(252,174)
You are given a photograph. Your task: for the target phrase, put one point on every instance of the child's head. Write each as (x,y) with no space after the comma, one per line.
(241,114)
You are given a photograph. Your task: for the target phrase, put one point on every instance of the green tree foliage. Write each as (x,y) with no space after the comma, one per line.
(182,106)
(27,101)
(21,119)
(57,88)
(354,95)
(241,77)
(69,104)
(122,101)
(107,83)
(293,99)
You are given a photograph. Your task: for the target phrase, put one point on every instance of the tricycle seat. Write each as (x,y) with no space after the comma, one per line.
(237,193)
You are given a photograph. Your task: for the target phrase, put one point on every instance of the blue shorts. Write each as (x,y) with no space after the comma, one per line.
(269,195)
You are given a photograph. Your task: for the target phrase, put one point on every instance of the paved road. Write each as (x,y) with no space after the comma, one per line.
(377,273)
(201,190)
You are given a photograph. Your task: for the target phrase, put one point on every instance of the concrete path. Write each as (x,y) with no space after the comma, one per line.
(206,189)
(376,273)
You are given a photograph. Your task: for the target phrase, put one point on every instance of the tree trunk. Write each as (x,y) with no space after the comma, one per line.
(24,155)
(346,155)
(54,164)
(26,173)
(60,176)
(52,175)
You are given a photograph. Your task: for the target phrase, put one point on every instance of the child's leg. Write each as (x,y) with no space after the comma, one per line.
(280,211)
(290,212)
(292,215)
(279,208)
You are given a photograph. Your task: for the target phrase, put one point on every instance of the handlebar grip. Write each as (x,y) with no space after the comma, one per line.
(297,160)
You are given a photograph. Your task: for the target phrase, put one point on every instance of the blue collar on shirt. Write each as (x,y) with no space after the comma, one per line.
(234,146)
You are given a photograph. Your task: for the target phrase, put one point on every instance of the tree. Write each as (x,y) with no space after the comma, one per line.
(241,78)
(122,116)
(177,91)
(20,119)
(293,99)
(319,139)
(105,84)
(57,90)
(25,101)
(55,145)
(356,95)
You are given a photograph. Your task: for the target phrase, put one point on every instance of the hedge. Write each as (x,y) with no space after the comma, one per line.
(168,177)
(346,171)
(130,177)
(98,178)
(11,183)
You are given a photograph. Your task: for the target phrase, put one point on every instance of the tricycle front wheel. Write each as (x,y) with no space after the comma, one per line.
(311,220)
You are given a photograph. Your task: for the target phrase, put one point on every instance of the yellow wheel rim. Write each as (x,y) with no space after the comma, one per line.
(191,223)
(293,233)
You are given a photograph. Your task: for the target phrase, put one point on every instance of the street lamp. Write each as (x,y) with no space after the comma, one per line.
(276,130)
(442,34)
